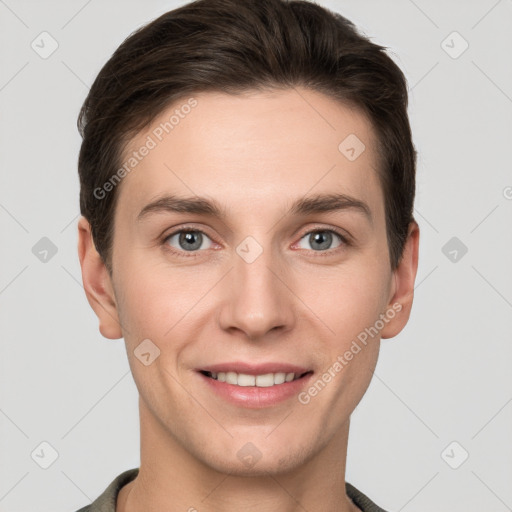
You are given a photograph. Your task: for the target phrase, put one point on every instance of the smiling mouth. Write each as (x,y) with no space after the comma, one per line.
(261,381)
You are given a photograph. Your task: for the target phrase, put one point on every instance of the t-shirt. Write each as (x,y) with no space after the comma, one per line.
(106,502)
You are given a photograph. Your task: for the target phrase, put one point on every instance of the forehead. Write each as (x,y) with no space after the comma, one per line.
(258,147)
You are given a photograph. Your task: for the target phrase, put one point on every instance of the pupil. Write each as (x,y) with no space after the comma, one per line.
(323,238)
(188,239)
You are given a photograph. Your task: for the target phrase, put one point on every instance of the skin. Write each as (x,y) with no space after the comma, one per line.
(255,154)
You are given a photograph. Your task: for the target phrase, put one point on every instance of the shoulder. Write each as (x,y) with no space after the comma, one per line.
(361,500)
(106,502)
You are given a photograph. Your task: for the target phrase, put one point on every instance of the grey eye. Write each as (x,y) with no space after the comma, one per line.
(320,240)
(188,240)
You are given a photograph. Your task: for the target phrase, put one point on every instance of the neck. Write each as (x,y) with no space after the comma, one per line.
(172,479)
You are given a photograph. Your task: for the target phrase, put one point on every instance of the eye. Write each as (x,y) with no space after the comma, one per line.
(322,239)
(188,240)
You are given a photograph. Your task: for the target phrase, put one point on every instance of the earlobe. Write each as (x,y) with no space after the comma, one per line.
(97,283)
(400,304)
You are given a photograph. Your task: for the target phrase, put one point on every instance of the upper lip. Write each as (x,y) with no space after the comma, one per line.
(255,369)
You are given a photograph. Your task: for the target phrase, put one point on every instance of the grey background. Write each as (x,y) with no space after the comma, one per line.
(445,378)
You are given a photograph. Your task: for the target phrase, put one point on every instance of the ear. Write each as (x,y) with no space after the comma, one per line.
(402,291)
(97,283)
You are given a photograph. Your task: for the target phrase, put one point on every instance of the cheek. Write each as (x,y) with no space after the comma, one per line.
(162,305)
(142,303)
(153,297)
(347,299)
(154,308)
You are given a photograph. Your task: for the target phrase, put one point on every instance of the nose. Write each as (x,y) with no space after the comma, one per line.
(257,297)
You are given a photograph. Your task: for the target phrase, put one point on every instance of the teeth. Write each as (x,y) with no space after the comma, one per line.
(246,380)
(231,378)
(265,381)
(260,381)
(279,378)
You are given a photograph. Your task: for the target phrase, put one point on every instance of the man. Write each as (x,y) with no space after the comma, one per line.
(247,185)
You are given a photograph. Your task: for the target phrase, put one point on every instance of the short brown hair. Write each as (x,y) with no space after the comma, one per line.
(235,46)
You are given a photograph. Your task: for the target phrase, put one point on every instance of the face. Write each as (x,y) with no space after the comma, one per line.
(280,283)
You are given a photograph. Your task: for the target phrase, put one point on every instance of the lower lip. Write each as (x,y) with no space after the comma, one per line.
(255,397)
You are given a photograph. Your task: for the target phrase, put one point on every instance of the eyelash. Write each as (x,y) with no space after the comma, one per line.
(192,254)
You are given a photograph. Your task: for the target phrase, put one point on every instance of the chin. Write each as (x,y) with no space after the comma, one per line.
(258,458)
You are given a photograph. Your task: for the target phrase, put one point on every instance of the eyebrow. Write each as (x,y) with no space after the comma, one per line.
(304,206)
